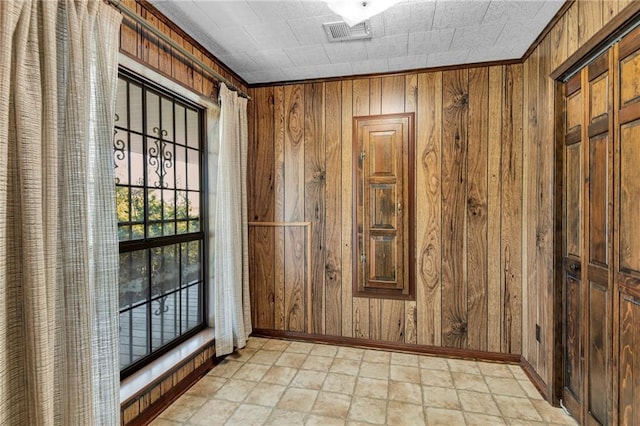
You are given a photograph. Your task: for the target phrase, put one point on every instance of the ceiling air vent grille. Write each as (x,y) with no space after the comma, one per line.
(340,31)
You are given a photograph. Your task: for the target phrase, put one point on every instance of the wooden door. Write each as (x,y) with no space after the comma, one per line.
(383,210)
(627,243)
(572,339)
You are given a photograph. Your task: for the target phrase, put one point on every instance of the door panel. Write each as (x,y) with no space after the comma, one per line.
(573,344)
(630,196)
(598,203)
(599,349)
(573,198)
(383,161)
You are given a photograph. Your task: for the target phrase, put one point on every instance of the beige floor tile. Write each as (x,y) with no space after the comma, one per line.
(300,347)
(291,360)
(315,420)
(235,390)
(463,366)
(214,412)
(433,363)
(249,415)
(517,408)
(183,408)
(552,414)
(242,354)
(207,386)
(368,410)
(374,370)
(444,417)
(345,366)
(279,375)
(405,392)
(295,399)
(518,372)
(495,369)
(530,389)
(520,422)
(332,404)
(477,402)
(376,356)
(372,388)
(164,422)
(504,386)
(256,342)
(324,350)
(403,414)
(276,345)
(439,378)
(350,353)
(410,360)
(340,383)
(475,419)
(286,418)
(401,373)
(253,372)
(433,396)
(266,394)
(309,379)
(226,368)
(467,381)
(265,357)
(318,363)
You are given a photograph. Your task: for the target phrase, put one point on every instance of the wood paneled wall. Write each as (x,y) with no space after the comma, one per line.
(146,48)
(469,183)
(580,22)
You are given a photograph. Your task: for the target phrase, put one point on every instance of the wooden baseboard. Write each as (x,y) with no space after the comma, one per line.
(535,378)
(391,346)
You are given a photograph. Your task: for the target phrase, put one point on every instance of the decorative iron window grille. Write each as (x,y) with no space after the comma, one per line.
(159,168)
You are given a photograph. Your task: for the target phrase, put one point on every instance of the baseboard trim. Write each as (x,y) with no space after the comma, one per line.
(391,346)
(535,378)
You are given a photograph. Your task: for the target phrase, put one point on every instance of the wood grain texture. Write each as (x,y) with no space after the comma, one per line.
(333,210)
(629,370)
(455,116)
(279,213)
(494,207)
(477,200)
(347,214)
(314,193)
(428,221)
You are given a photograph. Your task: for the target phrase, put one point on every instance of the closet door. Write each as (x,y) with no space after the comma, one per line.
(627,259)
(572,249)
(598,218)
(383,178)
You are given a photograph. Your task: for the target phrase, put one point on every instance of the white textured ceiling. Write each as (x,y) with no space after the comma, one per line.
(268,41)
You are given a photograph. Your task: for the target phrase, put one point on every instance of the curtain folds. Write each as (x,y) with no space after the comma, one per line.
(230,285)
(58,237)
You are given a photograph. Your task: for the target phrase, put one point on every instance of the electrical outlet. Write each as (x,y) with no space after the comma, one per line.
(537,333)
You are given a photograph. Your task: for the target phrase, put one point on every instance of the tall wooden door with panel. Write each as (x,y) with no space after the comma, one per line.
(383,206)
(601,238)
(588,257)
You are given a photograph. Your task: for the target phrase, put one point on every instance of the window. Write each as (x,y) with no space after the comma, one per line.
(158,160)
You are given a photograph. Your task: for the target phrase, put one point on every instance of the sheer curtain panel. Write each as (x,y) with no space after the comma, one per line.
(58,240)
(231,316)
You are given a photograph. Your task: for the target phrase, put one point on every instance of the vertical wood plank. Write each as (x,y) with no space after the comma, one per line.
(295,248)
(392,94)
(410,307)
(361,315)
(531,207)
(333,227)
(129,32)
(494,208)
(391,320)
(428,202)
(477,207)
(375,96)
(511,208)
(314,194)
(571,17)
(375,108)
(150,41)
(347,203)
(559,42)
(279,208)
(589,19)
(455,98)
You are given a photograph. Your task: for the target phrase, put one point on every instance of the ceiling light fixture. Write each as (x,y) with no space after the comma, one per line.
(355,11)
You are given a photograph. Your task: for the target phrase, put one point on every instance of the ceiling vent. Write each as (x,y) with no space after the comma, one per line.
(340,31)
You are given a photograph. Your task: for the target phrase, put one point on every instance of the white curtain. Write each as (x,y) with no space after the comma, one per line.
(231,314)
(58,237)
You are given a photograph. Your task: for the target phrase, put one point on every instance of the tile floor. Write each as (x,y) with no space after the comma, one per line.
(276,382)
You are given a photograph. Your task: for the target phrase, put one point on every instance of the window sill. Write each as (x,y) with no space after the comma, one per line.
(147,375)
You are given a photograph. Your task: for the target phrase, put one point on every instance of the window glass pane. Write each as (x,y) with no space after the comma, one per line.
(136,160)
(165,320)
(194,204)
(182,205)
(121,157)
(121,118)
(181,167)
(133,278)
(167,119)
(165,270)
(181,129)
(191,270)
(123,208)
(135,107)
(191,307)
(193,170)
(193,129)
(134,335)
(153,115)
